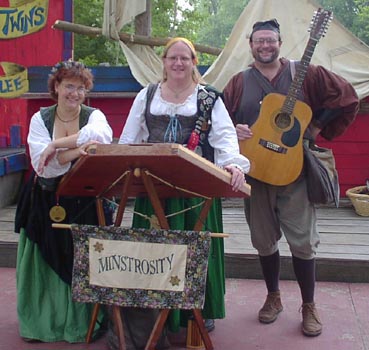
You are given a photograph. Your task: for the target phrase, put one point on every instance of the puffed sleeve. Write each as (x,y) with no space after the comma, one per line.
(333,101)
(38,139)
(135,129)
(232,95)
(223,139)
(96,129)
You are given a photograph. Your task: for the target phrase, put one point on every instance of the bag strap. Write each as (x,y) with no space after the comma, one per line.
(150,94)
(264,83)
(206,99)
(293,69)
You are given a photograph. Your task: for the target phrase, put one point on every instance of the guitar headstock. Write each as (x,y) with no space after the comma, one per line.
(319,23)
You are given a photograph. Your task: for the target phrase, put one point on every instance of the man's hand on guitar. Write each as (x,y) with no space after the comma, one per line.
(243,131)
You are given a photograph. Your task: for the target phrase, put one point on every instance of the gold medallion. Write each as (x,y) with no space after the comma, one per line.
(57,213)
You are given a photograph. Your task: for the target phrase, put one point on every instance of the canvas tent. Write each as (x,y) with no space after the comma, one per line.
(339,51)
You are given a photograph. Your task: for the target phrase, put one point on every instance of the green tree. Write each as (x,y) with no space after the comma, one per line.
(201,21)
(223,16)
(207,22)
(169,19)
(361,22)
(353,14)
(345,11)
(94,50)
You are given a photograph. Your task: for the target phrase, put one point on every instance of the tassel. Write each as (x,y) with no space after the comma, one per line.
(193,141)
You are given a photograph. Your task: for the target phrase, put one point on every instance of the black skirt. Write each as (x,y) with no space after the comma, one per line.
(32,214)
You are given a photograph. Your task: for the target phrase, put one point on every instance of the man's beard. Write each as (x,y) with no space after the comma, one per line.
(265,60)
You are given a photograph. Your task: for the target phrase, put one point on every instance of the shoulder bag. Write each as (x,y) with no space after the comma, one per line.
(321,175)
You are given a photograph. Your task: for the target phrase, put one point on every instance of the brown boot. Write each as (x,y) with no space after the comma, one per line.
(271,308)
(311,324)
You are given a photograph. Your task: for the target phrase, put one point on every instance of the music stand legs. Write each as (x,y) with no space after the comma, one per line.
(160,322)
(93,320)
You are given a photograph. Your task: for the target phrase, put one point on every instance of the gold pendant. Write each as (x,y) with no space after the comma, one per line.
(57,213)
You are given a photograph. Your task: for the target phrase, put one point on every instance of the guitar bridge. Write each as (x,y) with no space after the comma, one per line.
(273,146)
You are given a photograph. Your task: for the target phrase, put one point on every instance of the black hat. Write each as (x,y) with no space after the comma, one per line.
(271,24)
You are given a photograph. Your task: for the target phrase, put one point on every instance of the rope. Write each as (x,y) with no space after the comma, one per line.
(176,187)
(174,127)
(114,183)
(154,223)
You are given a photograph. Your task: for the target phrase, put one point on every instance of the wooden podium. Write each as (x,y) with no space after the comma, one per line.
(157,171)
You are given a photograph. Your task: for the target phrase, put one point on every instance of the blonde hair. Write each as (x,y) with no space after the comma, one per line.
(196,76)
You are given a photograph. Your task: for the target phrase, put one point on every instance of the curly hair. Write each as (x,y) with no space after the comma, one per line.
(69,70)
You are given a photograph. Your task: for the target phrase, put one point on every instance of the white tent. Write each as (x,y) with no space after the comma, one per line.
(339,51)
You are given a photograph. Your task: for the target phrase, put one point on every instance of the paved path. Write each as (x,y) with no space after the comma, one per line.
(343,308)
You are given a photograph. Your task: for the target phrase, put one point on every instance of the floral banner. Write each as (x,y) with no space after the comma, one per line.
(23,17)
(15,82)
(161,269)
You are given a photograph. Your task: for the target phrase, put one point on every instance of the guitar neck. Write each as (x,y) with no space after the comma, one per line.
(299,77)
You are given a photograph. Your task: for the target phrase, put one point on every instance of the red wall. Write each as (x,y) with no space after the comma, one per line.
(45,47)
(116,110)
(351,152)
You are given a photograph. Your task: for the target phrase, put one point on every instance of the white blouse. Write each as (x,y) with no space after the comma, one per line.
(97,129)
(222,135)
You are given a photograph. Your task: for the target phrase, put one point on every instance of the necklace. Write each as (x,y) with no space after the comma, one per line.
(66,121)
(178,93)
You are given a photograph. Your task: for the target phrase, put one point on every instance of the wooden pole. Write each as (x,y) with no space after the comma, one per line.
(143,21)
(127,38)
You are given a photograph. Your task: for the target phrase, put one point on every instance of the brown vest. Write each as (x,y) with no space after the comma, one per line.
(253,93)
(178,128)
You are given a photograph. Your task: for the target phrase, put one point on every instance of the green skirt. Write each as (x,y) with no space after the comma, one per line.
(215,283)
(45,308)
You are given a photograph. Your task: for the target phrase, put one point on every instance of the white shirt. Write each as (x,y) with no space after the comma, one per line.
(222,135)
(97,129)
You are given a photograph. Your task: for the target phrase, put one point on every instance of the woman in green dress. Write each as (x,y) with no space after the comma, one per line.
(58,135)
(183,109)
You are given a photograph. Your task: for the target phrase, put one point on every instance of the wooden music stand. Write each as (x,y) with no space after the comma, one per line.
(157,171)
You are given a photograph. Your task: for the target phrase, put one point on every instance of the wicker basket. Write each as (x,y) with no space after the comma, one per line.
(359,200)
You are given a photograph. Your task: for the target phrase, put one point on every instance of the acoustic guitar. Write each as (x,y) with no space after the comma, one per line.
(275,150)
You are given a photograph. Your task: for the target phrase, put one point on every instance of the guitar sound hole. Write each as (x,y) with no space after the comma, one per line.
(283,120)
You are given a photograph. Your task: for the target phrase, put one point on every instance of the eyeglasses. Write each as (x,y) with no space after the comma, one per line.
(182,59)
(71,88)
(261,41)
